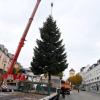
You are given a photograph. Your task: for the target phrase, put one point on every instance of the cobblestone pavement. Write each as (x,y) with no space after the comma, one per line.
(20,96)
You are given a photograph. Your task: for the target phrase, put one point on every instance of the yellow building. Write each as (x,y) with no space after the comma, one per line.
(71,72)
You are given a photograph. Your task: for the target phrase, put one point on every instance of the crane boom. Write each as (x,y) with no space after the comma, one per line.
(21,43)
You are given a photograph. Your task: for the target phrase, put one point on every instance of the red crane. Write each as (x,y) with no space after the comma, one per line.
(21,43)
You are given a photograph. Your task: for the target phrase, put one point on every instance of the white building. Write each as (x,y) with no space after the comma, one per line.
(91,77)
(83,73)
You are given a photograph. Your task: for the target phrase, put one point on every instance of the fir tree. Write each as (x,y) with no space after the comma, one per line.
(49,54)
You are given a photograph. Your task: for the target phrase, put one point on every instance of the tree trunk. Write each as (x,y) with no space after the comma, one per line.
(49,78)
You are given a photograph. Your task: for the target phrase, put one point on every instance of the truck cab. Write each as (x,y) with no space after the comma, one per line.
(66,87)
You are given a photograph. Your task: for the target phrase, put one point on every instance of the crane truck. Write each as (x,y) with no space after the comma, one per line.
(9,75)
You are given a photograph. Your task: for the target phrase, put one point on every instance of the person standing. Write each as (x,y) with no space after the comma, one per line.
(78,90)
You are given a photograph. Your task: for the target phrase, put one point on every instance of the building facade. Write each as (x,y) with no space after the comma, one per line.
(6,58)
(91,77)
(71,72)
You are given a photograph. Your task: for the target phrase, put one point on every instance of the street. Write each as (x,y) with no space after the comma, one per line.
(20,96)
(82,95)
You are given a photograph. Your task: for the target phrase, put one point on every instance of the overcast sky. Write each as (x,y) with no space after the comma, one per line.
(78,20)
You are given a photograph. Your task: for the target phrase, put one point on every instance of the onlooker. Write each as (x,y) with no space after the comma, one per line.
(78,90)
